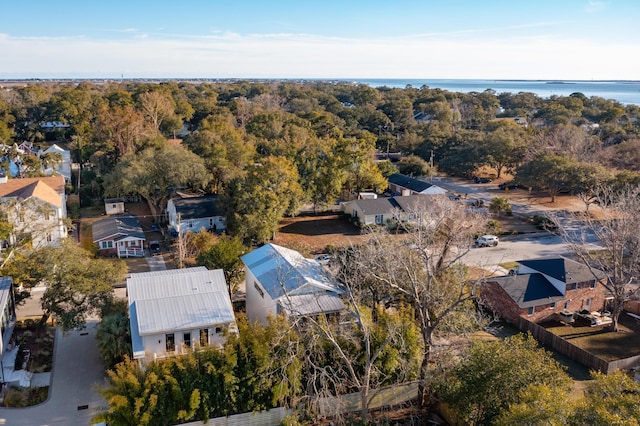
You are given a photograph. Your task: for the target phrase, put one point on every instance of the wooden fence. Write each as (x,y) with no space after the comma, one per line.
(271,417)
(562,346)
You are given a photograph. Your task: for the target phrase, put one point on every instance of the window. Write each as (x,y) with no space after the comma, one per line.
(106,244)
(113,206)
(592,284)
(218,330)
(46,215)
(532,309)
(572,286)
(379,219)
(210,222)
(49,238)
(566,305)
(260,292)
(587,304)
(552,305)
(186,339)
(204,337)
(170,342)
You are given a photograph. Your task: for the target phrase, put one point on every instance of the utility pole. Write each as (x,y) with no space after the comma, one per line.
(180,243)
(431,168)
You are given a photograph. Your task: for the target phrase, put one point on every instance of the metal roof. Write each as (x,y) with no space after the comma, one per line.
(174,300)
(280,269)
(312,304)
(407,204)
(563,269)
(120,224)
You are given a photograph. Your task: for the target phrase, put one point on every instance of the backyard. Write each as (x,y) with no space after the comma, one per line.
(601,342)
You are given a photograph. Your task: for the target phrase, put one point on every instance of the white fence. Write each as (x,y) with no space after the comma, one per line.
(271,417)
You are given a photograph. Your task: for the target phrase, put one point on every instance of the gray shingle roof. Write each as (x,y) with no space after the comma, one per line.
(198,207)
(376,206)
(563,269)
(409,182)
(120,225)
(529,289)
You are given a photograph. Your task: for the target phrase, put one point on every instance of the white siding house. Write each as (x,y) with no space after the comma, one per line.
(195,213)
(7,313)
(281,280)
(175,311)
(64,167)
(389,211)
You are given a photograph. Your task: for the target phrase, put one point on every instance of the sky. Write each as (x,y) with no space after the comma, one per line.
(330,39)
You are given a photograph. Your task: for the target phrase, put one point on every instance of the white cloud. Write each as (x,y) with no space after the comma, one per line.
(596,6)
(308,56)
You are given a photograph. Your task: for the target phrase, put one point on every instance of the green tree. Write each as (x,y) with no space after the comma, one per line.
(225,255)
(505,148)
(548,171)
(539,405)
(257,202)
(114,336)
(611,400)
(78,285)
(493,375)
(387,168)
(155,174)
(500,204)
(412,165)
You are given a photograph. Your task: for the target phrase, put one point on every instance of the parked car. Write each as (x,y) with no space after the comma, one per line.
(155,248)
(323,259)
(487,241)
(510,185)
(478,179)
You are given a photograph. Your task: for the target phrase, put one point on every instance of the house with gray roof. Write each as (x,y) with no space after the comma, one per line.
(406,185)
(176,311)
(540,288)
(193,213)
(388,211)
(282,281)
(119,235)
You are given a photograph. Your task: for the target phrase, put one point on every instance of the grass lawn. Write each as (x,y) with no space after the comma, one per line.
(602,343)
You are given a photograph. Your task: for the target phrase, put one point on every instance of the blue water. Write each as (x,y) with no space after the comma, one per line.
(626,92)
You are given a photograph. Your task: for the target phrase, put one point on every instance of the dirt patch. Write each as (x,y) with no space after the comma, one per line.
(318,231)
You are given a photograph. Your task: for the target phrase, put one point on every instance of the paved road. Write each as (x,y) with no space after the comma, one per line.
(77,369)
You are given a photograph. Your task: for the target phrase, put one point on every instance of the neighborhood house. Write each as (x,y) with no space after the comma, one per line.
(282,281)
(406,185)
(541,288)
(195,213)
(119,235)
(175,311)
(36,207)
(388,211)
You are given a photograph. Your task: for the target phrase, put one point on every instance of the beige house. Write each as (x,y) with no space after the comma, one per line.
(36,207)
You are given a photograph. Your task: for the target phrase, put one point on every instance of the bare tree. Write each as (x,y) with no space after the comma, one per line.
(424,270)
(617,232)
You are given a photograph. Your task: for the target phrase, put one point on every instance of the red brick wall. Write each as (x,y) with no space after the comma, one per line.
(496,299)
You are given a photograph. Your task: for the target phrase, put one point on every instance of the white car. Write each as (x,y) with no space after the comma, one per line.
(487,241)
(323,259)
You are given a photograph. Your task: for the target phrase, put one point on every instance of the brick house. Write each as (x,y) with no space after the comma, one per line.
(541,288)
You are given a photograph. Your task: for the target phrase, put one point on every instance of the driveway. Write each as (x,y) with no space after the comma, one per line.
(77,368)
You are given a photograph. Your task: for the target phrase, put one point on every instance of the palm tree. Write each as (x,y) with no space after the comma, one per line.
(114,338)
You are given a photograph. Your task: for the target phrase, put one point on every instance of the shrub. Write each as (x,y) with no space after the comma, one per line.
(543,222)
(15,397)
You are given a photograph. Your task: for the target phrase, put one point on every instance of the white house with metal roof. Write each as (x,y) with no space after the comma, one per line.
(281,280)
(174,311)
